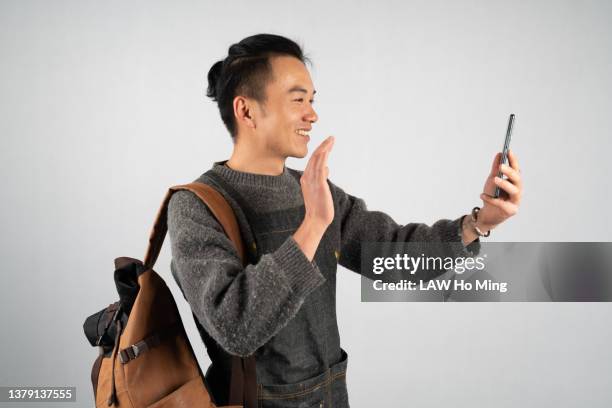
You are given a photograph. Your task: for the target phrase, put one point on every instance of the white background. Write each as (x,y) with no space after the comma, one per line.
(102,108)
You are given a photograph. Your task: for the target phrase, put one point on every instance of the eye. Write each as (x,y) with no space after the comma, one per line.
(299,100)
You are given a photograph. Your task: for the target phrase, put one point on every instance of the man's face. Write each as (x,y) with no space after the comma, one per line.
(286,117)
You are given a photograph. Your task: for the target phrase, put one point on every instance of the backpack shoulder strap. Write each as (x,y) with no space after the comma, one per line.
(217,205)
(243,383)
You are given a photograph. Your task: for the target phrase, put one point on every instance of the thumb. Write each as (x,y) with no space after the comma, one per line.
(495,165)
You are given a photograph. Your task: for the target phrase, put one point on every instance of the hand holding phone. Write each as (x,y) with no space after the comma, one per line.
(498,209)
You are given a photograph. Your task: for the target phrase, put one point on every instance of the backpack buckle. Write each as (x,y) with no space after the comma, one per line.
(135,350)
(129,353)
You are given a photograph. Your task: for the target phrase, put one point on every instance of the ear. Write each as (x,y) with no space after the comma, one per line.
(244,112)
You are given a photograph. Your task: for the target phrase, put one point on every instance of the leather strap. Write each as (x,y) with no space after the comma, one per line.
(215,203)
(250,382)
(243,383)
(131,352)
(112,399)
(95,373)
(109,315)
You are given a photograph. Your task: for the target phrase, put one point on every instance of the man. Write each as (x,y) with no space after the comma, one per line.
(281,307)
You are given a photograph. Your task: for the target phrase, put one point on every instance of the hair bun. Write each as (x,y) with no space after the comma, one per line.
(239,50)
(214,74)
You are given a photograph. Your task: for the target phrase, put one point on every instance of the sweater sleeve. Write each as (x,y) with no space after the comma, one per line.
(240,307)
(358,224)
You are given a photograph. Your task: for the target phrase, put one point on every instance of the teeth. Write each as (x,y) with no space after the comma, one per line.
(301,132)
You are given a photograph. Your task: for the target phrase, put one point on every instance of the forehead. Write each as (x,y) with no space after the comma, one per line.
(289,72)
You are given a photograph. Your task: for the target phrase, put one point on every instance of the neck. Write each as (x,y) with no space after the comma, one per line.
(248,159)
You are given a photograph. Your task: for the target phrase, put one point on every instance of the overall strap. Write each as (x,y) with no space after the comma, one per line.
(244,207)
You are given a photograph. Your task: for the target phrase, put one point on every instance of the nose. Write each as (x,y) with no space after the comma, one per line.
(311,115)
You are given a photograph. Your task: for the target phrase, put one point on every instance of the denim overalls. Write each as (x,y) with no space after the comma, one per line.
(302,365)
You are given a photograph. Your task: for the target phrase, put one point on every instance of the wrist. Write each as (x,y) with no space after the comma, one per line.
(481,229)
(468,233)
(314,225)
(484,228)
(308,236)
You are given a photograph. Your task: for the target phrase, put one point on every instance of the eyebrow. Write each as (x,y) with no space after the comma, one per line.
(300,89)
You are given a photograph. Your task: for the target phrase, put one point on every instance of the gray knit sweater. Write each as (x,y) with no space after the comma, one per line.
(282,306)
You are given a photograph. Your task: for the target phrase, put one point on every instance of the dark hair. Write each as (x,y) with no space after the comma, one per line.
(245,71)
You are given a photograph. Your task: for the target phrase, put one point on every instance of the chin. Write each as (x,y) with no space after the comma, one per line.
(300,154)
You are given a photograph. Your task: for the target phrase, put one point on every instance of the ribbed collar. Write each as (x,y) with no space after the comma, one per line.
(258,180)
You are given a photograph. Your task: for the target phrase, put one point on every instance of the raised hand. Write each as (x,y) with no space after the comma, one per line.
(317,197)
(317,200)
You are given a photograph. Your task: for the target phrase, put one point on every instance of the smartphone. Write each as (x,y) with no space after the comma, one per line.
(504,158)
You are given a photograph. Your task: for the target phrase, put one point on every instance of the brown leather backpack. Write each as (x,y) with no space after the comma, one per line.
(151,363)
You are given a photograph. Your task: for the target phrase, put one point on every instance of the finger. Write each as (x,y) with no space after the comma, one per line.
(328,144)
(495,165)
(308,168)
(513,161)
(325,144)
(322,147)
(512,175)
(512,190)
(507,207)
(322,165)
(313,171)
(314,158)
(326,147)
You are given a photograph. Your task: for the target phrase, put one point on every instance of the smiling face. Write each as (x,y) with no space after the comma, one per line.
(284,120)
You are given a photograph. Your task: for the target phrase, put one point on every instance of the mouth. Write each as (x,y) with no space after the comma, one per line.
(304,133)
